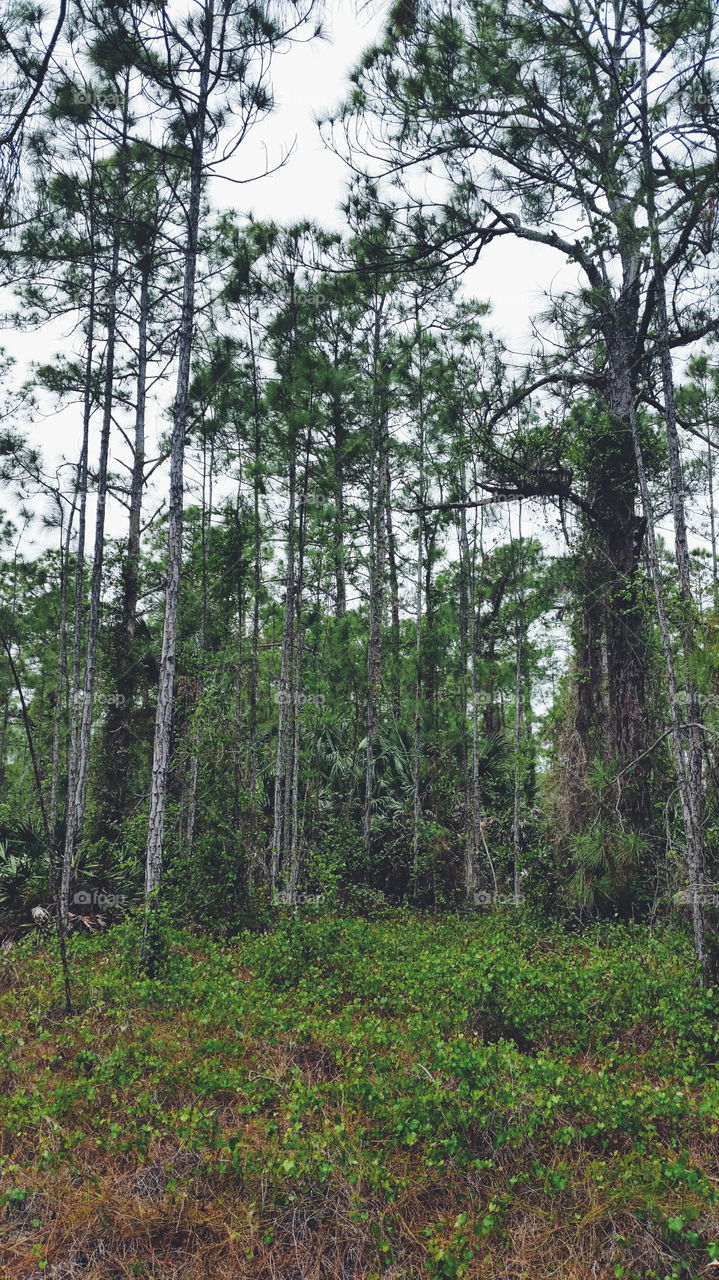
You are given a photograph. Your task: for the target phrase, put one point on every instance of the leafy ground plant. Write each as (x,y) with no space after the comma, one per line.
(399,1098)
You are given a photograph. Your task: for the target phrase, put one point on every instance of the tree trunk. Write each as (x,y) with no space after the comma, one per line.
(256,579)
(378,557)
(294,850)
(282,829)
(98,559)
(712,522)
(467,707)
(693,835)
(62,679)
(394,634)
(75,708)
(166,682)
(118,726)
(338,532)
(417,726)
(692,764)
(199,683)
(518,706)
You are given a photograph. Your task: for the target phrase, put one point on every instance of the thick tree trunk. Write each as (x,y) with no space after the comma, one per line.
(618,533)
(590,657)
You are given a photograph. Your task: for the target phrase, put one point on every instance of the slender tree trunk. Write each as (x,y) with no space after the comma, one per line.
(468,709)
(62,677)
(166,682)
(96,577)
(37,778)
(240,713)
(338,524)
(256,573)
(693,836)
(281,836)
(72,820)
(294,851)
(417,726)
(518,700)
(394,633)
(712,522)
(478,823)
(693,803)
(118,726)
(430,670)
(378,558)
(199,683)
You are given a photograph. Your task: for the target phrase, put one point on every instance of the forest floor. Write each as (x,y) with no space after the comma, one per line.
(402,1098)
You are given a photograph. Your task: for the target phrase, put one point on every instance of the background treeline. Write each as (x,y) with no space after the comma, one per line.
(333,659)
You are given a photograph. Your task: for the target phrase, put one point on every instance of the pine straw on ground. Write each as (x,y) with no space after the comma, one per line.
(114,1227)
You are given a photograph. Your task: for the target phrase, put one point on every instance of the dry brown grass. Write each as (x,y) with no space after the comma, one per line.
(171,1219)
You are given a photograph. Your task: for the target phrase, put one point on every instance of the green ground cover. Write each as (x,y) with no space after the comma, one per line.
(403,1097)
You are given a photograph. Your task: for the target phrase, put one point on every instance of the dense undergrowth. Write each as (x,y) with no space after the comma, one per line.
(396,1098)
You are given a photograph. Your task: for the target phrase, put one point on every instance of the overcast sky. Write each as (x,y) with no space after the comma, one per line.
(309,80)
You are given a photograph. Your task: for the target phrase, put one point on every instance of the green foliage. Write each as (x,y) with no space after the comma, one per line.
(303,950)
(519,1067)
(24,868)
(606,866)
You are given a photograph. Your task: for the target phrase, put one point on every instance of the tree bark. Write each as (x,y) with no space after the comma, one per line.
(689,767)
(378,557)
(118,725)
(166,681)
(518,706)
(72,817)
(282,828)
(338,547)
(418,683)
